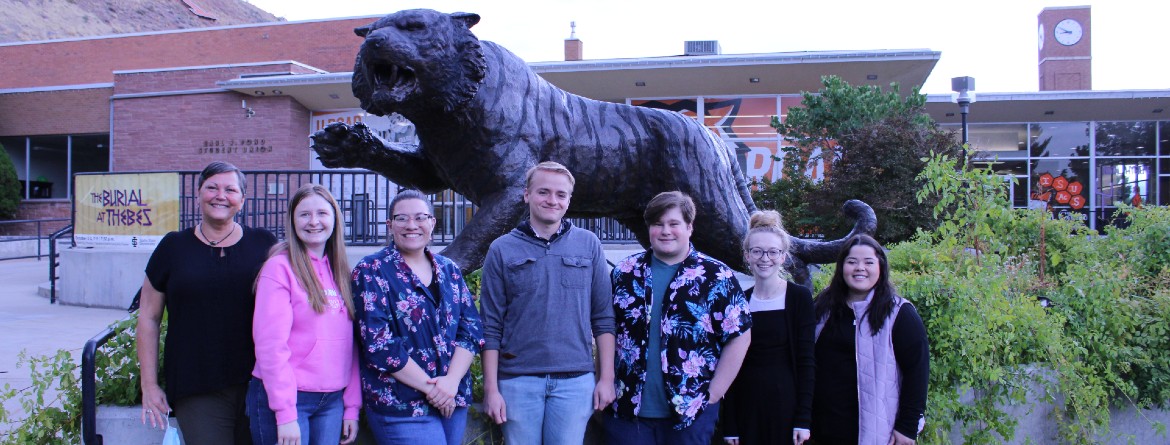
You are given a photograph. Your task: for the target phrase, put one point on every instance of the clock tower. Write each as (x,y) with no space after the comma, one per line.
(1065,48)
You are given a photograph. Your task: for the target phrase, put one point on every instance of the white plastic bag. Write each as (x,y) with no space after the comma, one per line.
(171,437)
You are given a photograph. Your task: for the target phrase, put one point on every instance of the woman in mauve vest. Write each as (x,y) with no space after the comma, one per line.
(872,356)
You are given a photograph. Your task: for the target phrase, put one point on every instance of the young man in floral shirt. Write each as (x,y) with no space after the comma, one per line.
(682,327)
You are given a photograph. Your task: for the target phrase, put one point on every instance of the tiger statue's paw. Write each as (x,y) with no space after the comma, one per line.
(343,146)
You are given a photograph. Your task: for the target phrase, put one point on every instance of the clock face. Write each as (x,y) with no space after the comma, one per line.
(1040,45)
(1068,32)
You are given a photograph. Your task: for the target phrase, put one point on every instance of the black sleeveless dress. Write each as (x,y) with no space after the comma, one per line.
(761,403)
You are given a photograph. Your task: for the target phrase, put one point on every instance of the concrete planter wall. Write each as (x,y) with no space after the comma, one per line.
(1037,425)
(106,277)
(25,248)
(123,425)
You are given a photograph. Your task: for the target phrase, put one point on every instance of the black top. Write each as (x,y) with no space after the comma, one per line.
(801,324)
(773,391)
(835,407)
(209,304)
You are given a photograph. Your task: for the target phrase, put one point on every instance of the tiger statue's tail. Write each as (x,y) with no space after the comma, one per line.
(805,252)
(745,192)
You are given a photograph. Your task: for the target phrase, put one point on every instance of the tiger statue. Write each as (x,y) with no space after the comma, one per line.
(483,118)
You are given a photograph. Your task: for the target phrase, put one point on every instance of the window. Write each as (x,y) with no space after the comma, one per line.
(999,141)
(48,167)
(45,164)
(1164,186)
(1125,139)
(1059,139)
(1125,181)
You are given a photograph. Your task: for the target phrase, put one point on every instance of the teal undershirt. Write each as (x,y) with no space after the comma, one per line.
(654,402)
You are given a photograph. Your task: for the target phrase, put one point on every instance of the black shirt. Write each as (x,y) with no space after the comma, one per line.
(209,305)
(835,405)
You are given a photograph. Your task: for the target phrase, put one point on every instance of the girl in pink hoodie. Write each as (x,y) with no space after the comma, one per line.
(305,388)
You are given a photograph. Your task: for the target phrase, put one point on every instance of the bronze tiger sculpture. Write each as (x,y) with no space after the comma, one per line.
(483,118)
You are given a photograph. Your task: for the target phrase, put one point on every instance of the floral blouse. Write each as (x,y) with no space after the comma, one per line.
(705,308)
(399,320)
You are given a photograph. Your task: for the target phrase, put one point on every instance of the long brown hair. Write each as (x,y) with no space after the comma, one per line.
(298,255)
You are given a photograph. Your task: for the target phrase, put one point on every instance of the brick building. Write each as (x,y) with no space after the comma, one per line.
(251,94)
(155,97)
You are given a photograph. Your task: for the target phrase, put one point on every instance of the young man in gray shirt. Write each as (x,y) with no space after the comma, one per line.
(546,295)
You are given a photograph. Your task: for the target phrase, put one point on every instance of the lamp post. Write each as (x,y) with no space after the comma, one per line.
(964,87)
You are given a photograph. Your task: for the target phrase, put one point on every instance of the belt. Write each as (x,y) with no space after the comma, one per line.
(550,375)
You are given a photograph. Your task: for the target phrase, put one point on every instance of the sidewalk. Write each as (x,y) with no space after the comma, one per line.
(29,323)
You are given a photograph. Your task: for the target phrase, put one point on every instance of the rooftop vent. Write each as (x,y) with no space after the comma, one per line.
(702,48)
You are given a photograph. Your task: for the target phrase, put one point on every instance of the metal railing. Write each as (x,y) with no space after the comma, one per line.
(40,235)
(89,435)
(364,198)
(54,261)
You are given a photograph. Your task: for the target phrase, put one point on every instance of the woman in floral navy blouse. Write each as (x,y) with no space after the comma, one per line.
(419,332)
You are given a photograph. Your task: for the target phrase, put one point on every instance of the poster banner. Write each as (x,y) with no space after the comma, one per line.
(125,210)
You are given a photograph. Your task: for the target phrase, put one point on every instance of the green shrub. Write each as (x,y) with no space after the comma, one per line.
(57,420)
(982,282)
(9,186)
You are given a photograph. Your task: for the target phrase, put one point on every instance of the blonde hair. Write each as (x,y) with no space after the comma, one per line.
(298,255)
(767,221)
(551,167)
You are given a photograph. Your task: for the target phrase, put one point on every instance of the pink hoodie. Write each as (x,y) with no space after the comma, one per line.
(298,349)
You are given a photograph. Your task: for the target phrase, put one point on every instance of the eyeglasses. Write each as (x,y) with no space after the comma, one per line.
(757,253)
(402,220)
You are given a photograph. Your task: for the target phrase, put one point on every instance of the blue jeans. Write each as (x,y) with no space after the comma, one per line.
(422,430)
(547,410)
(640,431)
(318,415)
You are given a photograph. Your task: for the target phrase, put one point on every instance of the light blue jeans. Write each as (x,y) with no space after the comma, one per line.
(547,410)
(318,415)
(422,430)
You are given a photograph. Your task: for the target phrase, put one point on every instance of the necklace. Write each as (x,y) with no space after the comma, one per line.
(214,243)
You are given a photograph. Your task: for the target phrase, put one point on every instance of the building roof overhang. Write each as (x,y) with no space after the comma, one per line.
(1054,106)
(615,80)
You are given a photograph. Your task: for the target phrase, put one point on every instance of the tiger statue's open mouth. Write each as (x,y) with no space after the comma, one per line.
(396,81)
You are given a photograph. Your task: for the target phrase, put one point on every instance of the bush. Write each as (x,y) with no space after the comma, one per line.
(9,186)
(1012,299)
(872,143)
(52,421)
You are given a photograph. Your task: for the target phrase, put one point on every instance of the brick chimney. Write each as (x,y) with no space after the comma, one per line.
(574,48)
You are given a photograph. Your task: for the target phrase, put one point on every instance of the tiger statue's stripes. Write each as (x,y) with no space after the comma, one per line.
(484,117)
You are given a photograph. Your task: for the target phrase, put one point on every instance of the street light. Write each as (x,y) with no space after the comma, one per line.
(965,89)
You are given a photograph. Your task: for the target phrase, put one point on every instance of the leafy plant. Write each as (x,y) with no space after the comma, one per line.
(9,186)
(872,143)
(52,403)
(1021,307)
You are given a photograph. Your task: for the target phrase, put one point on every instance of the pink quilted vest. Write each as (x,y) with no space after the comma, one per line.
(879,381)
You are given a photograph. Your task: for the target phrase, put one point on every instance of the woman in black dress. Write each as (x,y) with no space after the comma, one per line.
(203,277)
(771,399)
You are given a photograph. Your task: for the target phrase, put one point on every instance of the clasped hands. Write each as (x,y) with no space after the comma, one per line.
(441,394)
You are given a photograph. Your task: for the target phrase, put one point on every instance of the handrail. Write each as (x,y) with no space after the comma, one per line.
(38,224)
(89,435)
(53,263)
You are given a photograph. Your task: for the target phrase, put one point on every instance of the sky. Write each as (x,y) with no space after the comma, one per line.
(994,41)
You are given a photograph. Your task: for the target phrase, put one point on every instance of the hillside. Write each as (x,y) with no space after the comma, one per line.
(31,20)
